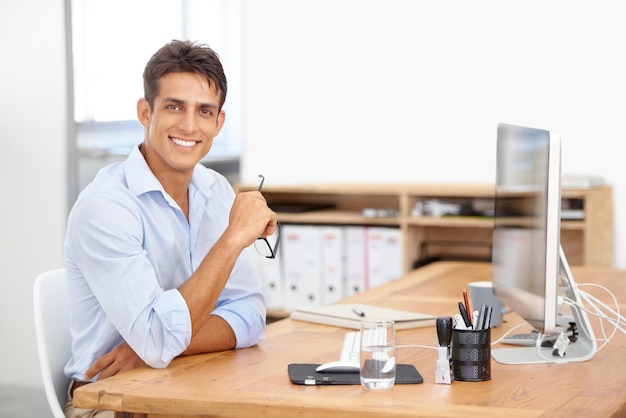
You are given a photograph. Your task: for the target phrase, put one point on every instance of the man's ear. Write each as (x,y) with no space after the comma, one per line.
(221,117)
(143,112)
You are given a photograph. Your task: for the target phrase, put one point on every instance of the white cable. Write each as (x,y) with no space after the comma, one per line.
(598,309)
(619,318)
(547,359)
(598,312)
(553,360)
(416,346)
(592,300)
(600,315)
(602,303)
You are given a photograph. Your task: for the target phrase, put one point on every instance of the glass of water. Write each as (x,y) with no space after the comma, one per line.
(378,354)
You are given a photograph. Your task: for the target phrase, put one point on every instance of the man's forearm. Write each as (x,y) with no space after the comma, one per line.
(215,335)
(201,291)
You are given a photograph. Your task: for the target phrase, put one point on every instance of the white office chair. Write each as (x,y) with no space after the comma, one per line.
(52,328)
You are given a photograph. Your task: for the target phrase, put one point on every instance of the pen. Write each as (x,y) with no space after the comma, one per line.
(481,317)
(358,312)
(487,323)
(475,318)
(464,315)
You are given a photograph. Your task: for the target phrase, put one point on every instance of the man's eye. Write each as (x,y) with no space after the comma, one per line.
(173,107)
(206,112)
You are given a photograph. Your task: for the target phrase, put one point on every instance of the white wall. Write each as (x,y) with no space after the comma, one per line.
(33,182)
(404,90)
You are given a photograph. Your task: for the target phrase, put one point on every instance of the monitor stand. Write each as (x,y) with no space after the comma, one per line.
(582,350)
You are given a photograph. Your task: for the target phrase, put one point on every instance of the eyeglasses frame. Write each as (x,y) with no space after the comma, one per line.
(273,251)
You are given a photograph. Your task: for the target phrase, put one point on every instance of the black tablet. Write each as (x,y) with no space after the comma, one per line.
(305,374)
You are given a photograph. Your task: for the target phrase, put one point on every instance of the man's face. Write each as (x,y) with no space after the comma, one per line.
(182,123)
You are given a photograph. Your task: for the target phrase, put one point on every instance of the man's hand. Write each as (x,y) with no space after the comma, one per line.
(120,359)
(251,218)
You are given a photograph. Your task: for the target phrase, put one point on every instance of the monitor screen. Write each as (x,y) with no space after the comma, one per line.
(526,238)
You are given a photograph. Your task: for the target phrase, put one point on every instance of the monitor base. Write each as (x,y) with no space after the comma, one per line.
(582,350)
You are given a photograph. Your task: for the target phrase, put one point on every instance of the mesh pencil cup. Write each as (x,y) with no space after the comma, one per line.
(471,354)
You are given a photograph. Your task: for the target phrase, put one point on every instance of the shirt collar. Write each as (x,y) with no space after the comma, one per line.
(202,180)
(140,178)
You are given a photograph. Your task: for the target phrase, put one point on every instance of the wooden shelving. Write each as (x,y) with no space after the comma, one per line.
(587,241)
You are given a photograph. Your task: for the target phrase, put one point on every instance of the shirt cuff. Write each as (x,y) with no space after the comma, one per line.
(173,314)
(245,335)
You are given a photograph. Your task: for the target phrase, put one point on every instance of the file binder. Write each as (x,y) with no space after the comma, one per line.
(355,260)
(301,253)
(384,255)
(333,278)
(273,282)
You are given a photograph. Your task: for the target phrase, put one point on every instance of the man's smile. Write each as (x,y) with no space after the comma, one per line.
(183,142)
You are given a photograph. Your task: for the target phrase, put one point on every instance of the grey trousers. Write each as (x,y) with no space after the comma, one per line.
(72,412)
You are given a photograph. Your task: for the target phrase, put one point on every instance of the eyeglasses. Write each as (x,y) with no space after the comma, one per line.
(268,247)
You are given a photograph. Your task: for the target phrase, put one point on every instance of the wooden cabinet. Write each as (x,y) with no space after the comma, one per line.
(587,239)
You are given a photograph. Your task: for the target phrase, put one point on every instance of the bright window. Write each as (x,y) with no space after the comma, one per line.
(113,40)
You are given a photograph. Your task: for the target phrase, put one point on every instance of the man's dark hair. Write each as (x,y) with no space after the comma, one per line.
(184,57)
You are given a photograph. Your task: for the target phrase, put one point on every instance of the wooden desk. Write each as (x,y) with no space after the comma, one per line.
(253,382)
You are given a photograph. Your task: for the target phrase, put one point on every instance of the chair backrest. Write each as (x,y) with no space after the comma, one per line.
(52,328)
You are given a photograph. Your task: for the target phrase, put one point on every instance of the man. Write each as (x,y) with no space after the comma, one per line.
(155,245)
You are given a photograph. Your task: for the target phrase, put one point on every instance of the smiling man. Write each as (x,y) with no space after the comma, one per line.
(156,246)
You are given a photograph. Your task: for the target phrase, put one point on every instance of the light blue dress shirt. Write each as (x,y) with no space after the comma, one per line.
(129,247)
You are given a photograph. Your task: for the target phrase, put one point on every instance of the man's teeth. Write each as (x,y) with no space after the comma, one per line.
(183,143)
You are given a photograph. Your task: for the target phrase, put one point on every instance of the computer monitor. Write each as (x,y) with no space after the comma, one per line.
(530,271)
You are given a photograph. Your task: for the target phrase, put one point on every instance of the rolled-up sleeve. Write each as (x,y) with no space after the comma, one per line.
(242,304)
(173,317)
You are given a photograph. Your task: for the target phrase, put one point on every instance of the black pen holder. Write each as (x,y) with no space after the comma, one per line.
(471,354)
